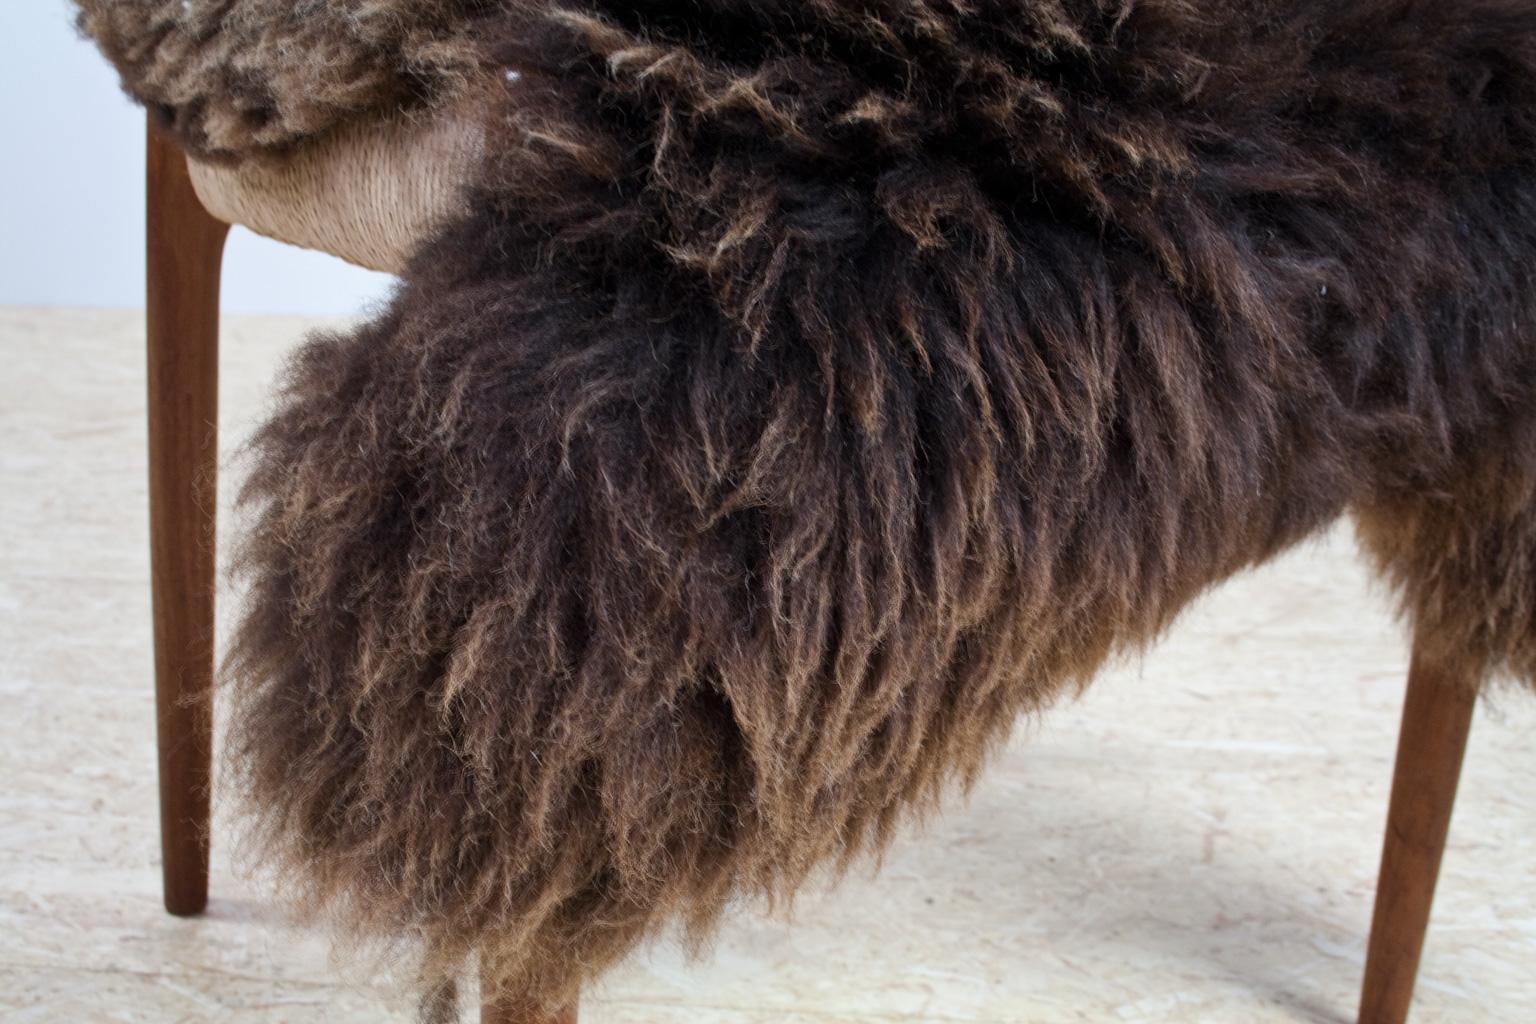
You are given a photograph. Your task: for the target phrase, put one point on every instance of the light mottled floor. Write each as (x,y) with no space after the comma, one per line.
(1195,840)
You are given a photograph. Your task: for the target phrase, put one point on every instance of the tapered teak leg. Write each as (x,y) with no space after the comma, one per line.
(1436,717)
(185,249)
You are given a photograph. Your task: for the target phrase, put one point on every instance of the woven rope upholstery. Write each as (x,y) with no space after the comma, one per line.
(368,194)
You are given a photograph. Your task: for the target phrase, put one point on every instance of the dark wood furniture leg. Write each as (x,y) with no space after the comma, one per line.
(1436,717)
(186,247)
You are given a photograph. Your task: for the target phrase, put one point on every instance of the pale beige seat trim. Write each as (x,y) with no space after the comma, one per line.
(368,194)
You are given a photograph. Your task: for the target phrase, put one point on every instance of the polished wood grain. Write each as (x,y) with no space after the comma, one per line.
(185,251)
(1437,715)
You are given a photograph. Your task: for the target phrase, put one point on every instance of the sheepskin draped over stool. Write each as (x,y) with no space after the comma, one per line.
(810,388)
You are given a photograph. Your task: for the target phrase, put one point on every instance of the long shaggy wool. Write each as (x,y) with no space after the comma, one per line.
(235,78)
(818,385)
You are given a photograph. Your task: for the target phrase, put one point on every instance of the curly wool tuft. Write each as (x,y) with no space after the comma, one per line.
(240,78)
(815,387)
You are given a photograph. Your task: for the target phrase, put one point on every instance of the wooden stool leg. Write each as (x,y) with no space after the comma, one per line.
(185,249)
(1436,717)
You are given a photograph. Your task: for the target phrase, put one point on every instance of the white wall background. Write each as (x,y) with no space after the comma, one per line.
(72,190)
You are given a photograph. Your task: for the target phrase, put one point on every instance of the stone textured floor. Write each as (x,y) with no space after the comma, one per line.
(1195,840)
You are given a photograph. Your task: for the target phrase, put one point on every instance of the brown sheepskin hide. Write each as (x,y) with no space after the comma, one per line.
(818,385)
(234,77)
